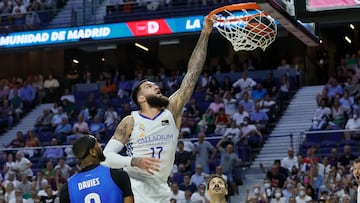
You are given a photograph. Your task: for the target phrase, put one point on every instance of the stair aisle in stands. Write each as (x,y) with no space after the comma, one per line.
(25,124)
(295,120)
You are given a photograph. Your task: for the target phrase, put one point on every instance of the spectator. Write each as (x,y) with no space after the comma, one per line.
(68,107)
(6,114)
(183,159)
(27,94)
(40,181)
(63,130)
(187,184)
(8,166)
(200,195)
(227,85)
(346,101)
(52,153)
(16,104)
(68,96)
(289,161)
(232,133)
(50,197)
(352,125)
(64,168)
(24,185)
(249,105)
(56,119)
(32,140)
(246,84)
(213,88)
(49,171)
(11,178)
(70,157)
(177,194)
(283,93)
(338,113)
(201,151)
(259,93)
(248,131)
(258,195)
(187,122)
(260,118)
(332,177)
(111,117)
(43,122)
(221,121)
(229,104)
(188,145)
(219,172)
(277,179)
(316,179)
(347,158)
(79,129)
(51,86)
(10,193)
(23,166)
(270,85)
(206,124)
(193,108)
(90,107)
(18,142)
(334,88)
(321,114)
(302,197)
(217,104)
(278,197)
(267,103)
(240,115)
(18,196)
(228,162)
(199,176)
(98,129)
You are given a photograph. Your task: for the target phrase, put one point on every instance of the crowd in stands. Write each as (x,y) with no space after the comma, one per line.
(321,171)
(20,15)
(124,10)
(222,123)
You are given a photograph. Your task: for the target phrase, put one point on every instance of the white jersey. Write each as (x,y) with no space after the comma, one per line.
(153,138)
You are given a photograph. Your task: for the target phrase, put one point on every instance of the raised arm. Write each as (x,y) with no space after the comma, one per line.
(117,142)
(195,66)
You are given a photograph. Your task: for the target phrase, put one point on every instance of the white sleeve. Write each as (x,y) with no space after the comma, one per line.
(113,159)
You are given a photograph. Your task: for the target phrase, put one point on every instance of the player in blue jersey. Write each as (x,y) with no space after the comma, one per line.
(151,134)
(94,182)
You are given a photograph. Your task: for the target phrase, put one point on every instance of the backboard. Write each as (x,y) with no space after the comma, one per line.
(284,12)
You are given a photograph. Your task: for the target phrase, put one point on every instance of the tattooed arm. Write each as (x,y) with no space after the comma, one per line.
(195,66)
(117,142)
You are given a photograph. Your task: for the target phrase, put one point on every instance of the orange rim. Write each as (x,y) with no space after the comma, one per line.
(234,7)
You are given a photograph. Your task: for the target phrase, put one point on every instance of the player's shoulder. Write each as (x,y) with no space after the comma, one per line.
(119,175)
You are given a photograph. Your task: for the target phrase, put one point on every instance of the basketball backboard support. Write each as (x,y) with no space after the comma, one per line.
(284,12)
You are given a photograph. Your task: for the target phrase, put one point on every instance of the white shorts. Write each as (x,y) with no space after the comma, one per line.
(150,190)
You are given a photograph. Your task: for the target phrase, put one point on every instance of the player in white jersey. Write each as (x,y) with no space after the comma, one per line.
(356,174)
(151,133)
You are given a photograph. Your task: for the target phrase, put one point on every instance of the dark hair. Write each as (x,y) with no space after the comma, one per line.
(136,90)
(216,176)
(82,146)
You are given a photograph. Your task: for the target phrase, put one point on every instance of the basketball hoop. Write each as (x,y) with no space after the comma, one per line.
(245,26)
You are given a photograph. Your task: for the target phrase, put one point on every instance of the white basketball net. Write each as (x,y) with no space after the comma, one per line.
(252,31)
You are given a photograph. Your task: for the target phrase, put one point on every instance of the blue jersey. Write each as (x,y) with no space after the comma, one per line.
(94,186)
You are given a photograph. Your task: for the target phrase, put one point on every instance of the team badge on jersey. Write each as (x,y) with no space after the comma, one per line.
(164,122)
(142,127)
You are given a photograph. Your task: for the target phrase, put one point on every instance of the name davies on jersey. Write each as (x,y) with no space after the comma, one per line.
(89,183)
(156,139)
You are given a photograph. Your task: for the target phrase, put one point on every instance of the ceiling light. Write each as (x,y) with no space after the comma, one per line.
(348,39)
(75,61)
(141,46)
(352,26)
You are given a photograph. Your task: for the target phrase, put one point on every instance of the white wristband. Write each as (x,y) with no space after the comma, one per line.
(113,159)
